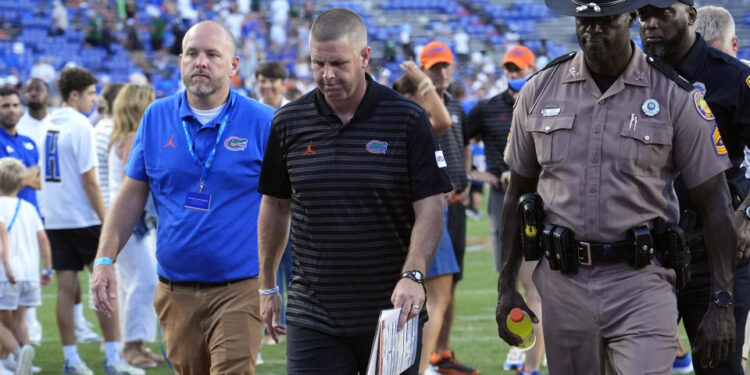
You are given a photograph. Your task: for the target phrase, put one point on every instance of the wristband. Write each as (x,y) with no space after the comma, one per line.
(266,292)
(47,272)
(102,260)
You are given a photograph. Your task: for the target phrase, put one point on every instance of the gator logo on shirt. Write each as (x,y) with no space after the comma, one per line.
(702,107)
(719,146)
(235,143)
(377,147)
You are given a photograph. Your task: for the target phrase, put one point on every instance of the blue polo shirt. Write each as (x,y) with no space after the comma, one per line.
(24,149)
(220,244)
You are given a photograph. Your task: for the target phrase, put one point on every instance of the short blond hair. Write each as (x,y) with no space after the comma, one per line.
(12,172)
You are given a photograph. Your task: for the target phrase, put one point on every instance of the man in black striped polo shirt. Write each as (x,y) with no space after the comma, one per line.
(356,167)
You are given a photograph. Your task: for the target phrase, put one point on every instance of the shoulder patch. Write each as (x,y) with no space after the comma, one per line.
(669,71)
(719,146)
(747,80)
(702,107)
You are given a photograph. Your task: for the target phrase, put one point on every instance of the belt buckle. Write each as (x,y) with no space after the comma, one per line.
(584,248)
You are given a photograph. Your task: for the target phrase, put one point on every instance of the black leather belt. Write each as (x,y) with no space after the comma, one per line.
(199,285)
(590,253)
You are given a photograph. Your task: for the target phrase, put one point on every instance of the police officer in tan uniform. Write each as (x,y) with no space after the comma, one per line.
(601,135)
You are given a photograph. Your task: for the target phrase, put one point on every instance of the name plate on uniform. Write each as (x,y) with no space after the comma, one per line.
(198,201)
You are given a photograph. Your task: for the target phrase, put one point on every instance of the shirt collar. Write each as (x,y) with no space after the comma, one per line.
(366,107)
(693,60)
(186,113)
(634,73)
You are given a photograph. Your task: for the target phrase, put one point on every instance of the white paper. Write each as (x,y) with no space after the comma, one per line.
(393,352)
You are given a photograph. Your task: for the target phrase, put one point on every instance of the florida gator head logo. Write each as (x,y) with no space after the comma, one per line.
(377,147)
(235,143)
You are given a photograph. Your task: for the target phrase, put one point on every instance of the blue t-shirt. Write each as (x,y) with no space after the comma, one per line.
(220,244)
(24,149)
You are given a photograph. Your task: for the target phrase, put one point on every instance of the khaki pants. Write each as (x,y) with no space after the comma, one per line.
(211,330)
(609,319)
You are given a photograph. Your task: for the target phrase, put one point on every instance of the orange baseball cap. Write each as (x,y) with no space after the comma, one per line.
(520,56)
(435,52)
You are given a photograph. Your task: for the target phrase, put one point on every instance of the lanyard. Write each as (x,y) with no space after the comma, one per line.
(206,166)
(15,215)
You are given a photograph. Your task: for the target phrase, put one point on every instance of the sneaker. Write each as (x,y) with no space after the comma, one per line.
(35,332)
(79,368)
(122,368)
(682,365)
(529,373)
(25,358)
(259,360)
(448,364)
(85,334)
(515,359)
(10,363)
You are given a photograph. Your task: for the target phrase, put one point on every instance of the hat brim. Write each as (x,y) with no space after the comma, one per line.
(517,61)
(438,60)
(664,3)
(571,8)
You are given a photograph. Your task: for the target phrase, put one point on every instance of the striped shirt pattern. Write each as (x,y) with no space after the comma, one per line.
(351,188)
(491,119)
(103,131)
(452,143)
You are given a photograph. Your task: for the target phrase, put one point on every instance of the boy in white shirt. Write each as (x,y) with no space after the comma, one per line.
(19,287)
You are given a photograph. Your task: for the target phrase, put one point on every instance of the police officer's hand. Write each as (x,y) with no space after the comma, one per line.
(104,288)
(510,299)
(410,296)
(270,313)
(742,224)
(715,338)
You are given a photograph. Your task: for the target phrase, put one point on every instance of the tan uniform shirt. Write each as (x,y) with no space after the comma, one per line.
(607,162)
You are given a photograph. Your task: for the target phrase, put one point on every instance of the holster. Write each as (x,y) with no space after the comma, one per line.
(672,249)
(532,217)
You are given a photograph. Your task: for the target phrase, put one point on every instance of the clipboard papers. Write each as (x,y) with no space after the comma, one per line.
(393,352)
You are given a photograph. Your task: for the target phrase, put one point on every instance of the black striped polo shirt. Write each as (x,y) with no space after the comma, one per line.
(351,188)
(491,119)
(453,142)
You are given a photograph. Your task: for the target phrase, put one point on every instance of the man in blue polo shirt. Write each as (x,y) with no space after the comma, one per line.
(199,153)
(18,146)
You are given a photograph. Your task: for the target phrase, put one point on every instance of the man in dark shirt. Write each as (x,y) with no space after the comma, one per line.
(356,168)
(490,120)
(666,33)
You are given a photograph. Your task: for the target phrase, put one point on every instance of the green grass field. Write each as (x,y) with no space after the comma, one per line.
(474,337)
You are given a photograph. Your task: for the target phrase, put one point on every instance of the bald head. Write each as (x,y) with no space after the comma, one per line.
(211,26)
(338,23)
(716,25)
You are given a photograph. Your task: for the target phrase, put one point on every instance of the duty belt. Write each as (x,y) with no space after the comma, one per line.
(590,253)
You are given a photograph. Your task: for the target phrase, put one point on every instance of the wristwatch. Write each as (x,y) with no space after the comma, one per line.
(722,298)
(414,275)
(746,210)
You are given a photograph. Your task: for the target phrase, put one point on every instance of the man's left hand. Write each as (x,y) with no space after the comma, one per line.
(410,296)
(742,225)
(715,338)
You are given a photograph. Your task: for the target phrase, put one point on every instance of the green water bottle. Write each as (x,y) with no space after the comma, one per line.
(519,323)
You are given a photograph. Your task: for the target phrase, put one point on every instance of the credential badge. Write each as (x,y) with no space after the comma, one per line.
(650,107)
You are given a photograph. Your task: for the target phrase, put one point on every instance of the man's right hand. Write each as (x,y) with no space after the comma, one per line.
(715,339)
(104,288)
(270,313)
(509,300)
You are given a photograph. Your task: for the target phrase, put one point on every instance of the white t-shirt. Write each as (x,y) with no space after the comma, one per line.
(33,129)
(24,244)
(71,153)
(103,131)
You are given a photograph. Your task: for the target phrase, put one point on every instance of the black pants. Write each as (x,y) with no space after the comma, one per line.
(692,302)
(312,352)
(457,230)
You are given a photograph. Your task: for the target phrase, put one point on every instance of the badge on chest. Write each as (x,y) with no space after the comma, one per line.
(198,201)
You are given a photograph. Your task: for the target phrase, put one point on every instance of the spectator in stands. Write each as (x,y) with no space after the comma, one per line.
(490,119)
(439,279)
(206,238)
(270,77)
(59,18)
(136,264)
(397,200)
(461,43)
(22,244)
(292,93)
(437,62)
(73,211)
(177,35)
(667,33)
